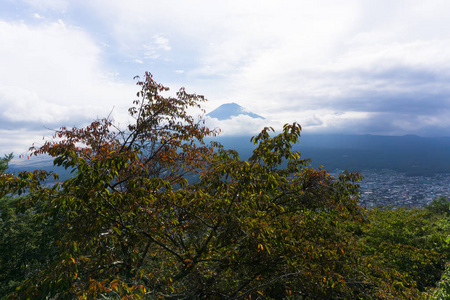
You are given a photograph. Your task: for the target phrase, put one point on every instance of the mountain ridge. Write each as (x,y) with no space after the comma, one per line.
(413,155)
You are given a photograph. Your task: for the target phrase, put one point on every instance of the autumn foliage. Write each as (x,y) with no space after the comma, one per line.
(132,226)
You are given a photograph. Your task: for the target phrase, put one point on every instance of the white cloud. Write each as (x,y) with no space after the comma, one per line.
(337,66)
(22,105)
(37,16)
(52,75)
(20,140)
(161,42)
(57,5)
(240,125)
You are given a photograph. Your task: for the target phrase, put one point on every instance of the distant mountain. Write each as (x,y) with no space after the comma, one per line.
(409,154)
(42,162)
(229,110)
(412,155)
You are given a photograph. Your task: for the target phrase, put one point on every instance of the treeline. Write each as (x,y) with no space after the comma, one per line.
(129,225)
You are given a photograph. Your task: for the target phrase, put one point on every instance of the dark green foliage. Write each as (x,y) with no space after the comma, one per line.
(411,241)
(26,245)
(442,291)
(439,207)
(4,162)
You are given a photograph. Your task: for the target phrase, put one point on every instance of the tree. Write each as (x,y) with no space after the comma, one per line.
(4,162)
(132,226)
(411,241)
(439,206)
(117,177)
(26,246)
(442,291)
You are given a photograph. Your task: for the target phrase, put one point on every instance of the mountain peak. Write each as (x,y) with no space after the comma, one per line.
(228,110)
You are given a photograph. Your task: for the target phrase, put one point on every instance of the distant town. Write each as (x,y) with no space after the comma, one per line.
(391,188)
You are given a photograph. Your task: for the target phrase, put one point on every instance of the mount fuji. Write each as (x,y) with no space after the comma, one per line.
(228,110)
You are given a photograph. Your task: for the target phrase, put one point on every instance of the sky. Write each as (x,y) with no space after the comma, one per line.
(334,66)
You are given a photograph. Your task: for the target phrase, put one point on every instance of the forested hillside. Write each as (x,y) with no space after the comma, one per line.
(129,225)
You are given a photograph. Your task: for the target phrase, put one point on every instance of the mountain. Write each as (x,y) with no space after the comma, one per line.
(412,155)
(42,162)
(229,110)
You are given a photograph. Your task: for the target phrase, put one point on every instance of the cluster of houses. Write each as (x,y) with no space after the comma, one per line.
(391,188)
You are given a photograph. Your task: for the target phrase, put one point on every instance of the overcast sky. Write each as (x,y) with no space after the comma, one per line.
(364,67)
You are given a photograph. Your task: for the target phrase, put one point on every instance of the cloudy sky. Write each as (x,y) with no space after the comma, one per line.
(364,67)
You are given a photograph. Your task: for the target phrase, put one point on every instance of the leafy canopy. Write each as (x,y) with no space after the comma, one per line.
(4,162)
